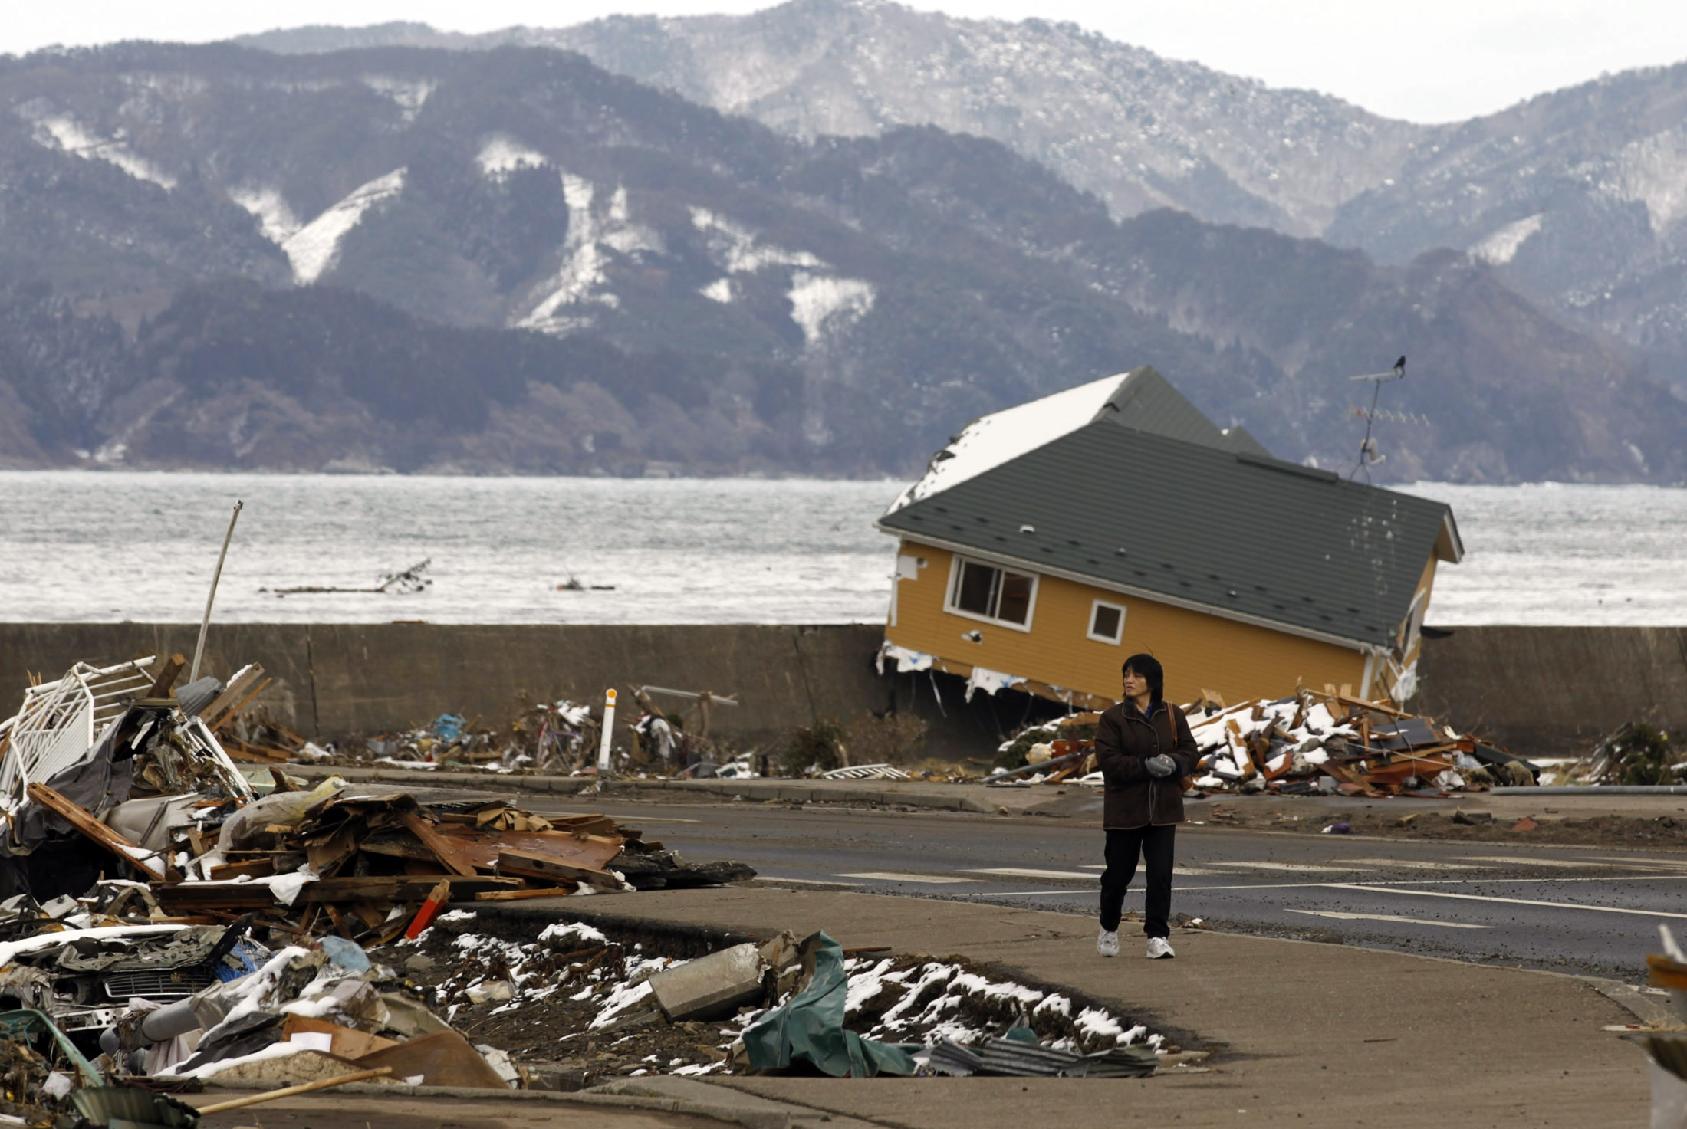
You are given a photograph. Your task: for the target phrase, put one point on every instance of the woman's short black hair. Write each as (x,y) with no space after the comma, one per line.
(1149,668)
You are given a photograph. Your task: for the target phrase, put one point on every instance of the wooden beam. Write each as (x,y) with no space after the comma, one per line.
(149,863)
(443,849)
(289,1091)
(168,672)
(523,895)
(537,865)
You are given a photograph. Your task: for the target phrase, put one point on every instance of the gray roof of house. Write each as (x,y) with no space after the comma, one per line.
(1171,512)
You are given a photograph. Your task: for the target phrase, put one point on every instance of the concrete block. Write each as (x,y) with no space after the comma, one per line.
(710,987)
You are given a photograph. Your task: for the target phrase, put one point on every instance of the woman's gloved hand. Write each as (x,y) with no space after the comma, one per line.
(1160,765)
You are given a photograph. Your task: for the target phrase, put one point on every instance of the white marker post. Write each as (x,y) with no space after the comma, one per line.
(608,732)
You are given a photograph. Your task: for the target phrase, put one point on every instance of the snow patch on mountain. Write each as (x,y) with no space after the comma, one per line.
(502,155)
(1653,170)
(739,251)
(275,218)
(619,233)
(1501,245)
(593,232)
(68,134)
(820,302)
(409,94)
(313,247)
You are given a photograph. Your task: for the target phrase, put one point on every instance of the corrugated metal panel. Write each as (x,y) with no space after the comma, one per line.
(1237,533)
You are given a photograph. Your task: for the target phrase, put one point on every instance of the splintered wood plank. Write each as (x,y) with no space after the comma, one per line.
(236,686)
(234,711)
(482,847)
(523,895)
(149,863)
(443,847)
(533,864)
(168,672)
(381,890)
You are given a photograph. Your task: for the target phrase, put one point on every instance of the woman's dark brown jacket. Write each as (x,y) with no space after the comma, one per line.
(1124,739)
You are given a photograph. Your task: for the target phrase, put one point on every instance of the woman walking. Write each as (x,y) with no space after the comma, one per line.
(1145,750)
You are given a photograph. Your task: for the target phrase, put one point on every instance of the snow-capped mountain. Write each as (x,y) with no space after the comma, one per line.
(1575,197)
(515,260)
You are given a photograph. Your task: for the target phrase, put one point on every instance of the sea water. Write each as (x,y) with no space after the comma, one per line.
(78,546)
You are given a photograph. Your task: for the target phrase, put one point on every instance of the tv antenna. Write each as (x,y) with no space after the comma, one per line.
(1368,454)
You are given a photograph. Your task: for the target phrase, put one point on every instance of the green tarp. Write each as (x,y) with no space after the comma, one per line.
(810,1028)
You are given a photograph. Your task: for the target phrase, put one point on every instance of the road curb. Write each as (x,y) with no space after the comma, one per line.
(793,792)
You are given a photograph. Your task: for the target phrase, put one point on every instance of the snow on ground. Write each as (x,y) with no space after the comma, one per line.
(1503,244)
(818,301)
(502,155)
(408,93)
(739,251)
(275,218)
(70,136)
(313,247)
(992,440)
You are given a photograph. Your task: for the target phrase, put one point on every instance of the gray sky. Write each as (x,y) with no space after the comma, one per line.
(1423,60)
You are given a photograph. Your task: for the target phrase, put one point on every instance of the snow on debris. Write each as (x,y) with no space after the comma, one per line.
(275,219)
(992,440)
(1500,246)
(938,1000)
(575,933)
(502,155)
(76,140)
(312,248)
(738,249)
(818,301)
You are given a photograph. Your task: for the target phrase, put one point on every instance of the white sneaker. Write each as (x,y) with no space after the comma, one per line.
(1107,942)
(1158,948)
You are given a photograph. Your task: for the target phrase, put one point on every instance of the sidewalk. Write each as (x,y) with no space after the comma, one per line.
(1055,801)
(1314,1036)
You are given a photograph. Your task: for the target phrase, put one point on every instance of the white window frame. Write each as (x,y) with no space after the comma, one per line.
(1089,627)
(957,562)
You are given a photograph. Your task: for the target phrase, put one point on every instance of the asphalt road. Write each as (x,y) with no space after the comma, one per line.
(1570,909)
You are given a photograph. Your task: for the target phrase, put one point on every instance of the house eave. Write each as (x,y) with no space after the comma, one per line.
(1347,642)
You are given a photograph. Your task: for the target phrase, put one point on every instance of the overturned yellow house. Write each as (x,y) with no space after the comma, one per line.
(1050,540)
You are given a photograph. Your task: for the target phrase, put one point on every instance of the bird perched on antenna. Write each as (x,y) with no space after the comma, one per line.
(1400,366)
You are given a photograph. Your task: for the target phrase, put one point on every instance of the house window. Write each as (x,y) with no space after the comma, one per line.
(986,592)
(1107,622)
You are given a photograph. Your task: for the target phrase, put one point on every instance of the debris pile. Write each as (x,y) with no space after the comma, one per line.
(1310,744)
(155,904)
(1636,755)
(576,1006)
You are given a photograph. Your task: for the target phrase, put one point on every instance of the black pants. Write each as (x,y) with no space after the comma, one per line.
(1123,847)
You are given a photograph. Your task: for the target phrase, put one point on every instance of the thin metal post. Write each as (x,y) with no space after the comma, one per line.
(608,732)
(205,621)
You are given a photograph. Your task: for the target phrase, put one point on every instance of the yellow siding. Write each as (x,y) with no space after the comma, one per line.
(1199,651)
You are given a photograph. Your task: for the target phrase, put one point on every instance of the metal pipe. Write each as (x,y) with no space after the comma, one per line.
(205,622)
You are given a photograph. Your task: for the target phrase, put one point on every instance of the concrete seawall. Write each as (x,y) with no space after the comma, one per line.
(1537,690)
